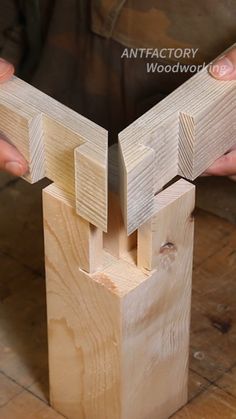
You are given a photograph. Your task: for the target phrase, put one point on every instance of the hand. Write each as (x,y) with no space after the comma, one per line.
(11,160)
(224,69)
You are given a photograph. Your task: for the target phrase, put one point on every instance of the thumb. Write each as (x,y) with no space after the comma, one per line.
(224,68)
(224,166)
(6,70)
(11,160)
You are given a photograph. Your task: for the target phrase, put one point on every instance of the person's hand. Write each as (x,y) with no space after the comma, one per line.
(11,160)
(224,69)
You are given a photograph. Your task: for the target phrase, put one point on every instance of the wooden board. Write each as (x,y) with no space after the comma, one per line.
(118,338)
(116,240)
(83,239)
(83,325)
(58,143)
(158,236)
(181,135)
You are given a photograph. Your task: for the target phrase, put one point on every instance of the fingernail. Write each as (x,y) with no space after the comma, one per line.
(4,67)
(15,168)
(205,174)
(222,67)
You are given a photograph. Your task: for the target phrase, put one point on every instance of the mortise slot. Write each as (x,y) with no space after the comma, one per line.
(116,241)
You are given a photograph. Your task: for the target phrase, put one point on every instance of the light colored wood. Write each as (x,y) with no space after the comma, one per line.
(156,310)
(22,126)
(47,134)
(161,310)
(183,134)
(158,237)
(83,329)
(83,240)
(137,186)
(118,338)
(116,240)
(113,168)
(91,182)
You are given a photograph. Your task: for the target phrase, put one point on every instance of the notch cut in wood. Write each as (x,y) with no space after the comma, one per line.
(116,240)
(60,144)
(182,135)
(119,337)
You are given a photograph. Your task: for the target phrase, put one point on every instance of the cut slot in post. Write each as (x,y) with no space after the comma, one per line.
(119,337)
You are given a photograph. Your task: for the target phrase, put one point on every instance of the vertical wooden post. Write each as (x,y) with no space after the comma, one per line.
(119,334)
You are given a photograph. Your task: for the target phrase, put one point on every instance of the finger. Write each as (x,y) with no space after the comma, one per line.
(11,160)
(6,70)
(224,166)
(225,67)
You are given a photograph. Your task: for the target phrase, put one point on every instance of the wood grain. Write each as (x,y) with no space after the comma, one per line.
(22,322)
(116,240)
(186,132)
(158,318)
(18,123)
(118,338)
(84,242)
(91,185)
(161,234)
(83,329)
(47,134)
